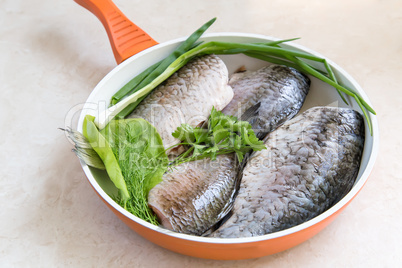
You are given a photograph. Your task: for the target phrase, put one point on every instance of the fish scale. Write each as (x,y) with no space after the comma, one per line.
(275,93)
(298,184)
(190,199)
(192,204)
(186,97)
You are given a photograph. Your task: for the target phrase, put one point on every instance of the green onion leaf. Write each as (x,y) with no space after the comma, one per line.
(155,70)
(270,51)
(105,152)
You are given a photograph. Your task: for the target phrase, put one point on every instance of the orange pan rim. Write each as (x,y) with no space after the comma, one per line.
(361,180)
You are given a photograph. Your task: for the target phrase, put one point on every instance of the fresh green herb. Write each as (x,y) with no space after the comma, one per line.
(134,156)
(132,151)
(155,70)
(135,160)
(133,84)
(270,51)
(141,156)
(103,149)
(224,134)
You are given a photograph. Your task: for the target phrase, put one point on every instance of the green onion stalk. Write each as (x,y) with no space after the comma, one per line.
(126,99)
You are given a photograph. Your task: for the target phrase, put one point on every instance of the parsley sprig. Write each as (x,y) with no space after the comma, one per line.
(224,134)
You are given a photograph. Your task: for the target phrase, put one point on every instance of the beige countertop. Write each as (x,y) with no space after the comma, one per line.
(53,53)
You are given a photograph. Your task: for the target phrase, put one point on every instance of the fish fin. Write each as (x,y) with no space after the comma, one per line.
(241,69)
(83,149)
(252,116)
(260,134)
(238,75)
(227,212)
(251,112)
(218,224)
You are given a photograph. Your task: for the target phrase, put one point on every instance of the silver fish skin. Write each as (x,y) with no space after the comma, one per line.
(186,97)
(195,195)
(311,162)
(176,200)
(267,97)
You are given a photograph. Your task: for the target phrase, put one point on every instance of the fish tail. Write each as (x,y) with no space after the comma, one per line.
(83,149)
(226,212)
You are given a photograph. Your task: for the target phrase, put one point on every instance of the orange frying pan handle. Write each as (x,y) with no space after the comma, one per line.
(125,37)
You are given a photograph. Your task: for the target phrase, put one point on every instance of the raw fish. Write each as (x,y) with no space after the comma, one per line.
(311,162)
(186,97)
(267,97)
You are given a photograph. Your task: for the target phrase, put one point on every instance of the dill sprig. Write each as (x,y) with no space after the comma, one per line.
(137,204)
(141,158)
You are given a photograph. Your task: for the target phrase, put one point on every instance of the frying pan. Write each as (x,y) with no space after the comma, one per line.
(134,51)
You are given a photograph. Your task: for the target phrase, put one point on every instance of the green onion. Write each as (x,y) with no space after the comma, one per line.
(128,88)
(270,52)
(102,147)
(155,70)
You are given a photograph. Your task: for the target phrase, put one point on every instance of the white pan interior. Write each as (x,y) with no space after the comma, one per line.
(320,94)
